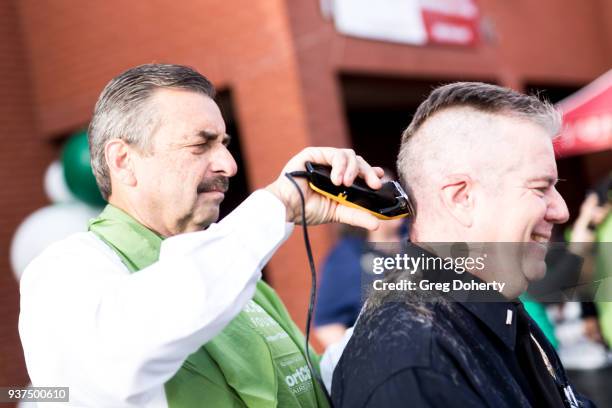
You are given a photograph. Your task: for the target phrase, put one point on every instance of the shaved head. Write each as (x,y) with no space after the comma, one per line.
(468,131)
(456,140)
(479,164)
(458,129)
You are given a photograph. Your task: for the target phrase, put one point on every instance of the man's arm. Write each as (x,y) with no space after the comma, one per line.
(115,338)
(331,357)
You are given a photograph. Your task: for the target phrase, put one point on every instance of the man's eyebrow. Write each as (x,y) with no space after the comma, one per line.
(211,136)
(548,179)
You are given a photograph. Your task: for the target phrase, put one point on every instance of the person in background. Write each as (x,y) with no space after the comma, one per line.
(598,226)
(589,229)
(339,298)
(568,265)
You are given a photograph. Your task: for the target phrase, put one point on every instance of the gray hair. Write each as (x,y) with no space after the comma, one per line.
(475,97)
(123,112)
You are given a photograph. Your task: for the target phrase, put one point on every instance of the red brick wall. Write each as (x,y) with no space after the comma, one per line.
(605,29)
(23,159)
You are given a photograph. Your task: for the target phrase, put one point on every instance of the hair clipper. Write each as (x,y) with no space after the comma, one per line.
(387,203)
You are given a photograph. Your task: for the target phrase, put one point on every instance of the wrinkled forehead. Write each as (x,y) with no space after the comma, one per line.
(185,114)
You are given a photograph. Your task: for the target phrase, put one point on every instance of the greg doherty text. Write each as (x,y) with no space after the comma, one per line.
(425,285)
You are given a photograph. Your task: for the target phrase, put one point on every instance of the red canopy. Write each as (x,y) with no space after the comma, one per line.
(587,119)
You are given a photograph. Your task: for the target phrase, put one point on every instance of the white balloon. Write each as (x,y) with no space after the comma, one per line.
(27,404)
(44,227)
(55,184)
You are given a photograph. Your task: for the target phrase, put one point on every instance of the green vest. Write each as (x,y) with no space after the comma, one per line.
(258,360)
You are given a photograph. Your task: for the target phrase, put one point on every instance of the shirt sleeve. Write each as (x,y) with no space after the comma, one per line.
(423,387)
(115,338)
(331,357)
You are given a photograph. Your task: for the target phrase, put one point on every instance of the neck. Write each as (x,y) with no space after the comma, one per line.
(128,206)
(500,265)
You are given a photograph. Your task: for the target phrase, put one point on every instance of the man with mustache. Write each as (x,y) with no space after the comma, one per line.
(158,306)
(478,160)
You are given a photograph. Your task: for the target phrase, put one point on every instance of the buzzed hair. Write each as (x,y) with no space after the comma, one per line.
(486,98)
(481,99)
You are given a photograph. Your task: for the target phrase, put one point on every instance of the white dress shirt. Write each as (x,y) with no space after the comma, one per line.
(114,338)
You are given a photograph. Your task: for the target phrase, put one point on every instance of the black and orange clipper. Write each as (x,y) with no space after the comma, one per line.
(387,203)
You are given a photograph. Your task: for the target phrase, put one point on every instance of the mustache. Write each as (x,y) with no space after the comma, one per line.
(219,183)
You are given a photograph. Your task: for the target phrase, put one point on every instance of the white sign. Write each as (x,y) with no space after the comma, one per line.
(417,22)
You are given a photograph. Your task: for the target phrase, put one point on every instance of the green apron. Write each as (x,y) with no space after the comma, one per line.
(258,360)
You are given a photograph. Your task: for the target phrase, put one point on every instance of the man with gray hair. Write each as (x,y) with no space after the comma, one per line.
(479,164)
(158,305)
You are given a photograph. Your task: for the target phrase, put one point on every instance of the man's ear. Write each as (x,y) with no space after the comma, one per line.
(458,198)
(119,158)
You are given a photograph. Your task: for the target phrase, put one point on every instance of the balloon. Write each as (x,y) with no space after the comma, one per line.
(77,170)
(45,226)
(55,184)
(26,403)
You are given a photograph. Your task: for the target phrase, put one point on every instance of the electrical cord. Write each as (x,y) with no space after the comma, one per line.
(313,277)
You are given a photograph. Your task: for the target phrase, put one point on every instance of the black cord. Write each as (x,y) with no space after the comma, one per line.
(313,277)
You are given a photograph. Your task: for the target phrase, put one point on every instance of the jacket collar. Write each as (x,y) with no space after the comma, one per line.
(136,245)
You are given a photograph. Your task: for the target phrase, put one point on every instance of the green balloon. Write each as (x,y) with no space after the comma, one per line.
(77,170)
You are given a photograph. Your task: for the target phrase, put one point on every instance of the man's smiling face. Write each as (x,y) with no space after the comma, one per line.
(525,204)
(182,178)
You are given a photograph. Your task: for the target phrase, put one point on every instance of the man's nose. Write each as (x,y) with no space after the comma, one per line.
(223,162)
(557,211)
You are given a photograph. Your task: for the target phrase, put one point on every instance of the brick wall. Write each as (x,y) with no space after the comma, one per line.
(23,159)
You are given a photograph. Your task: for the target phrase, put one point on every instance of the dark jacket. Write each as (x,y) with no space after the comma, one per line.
(448,354)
